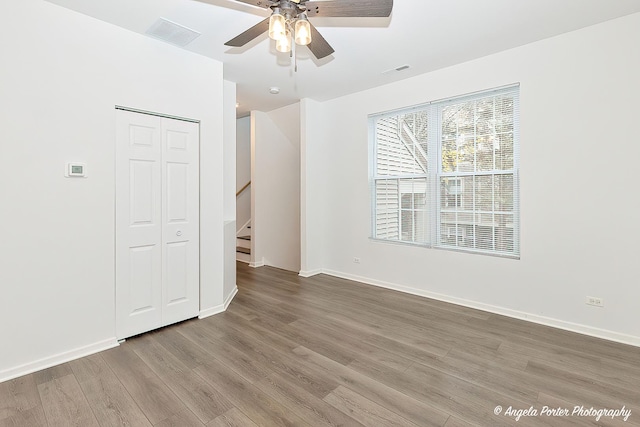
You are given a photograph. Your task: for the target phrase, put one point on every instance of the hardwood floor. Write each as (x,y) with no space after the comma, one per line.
(321,351)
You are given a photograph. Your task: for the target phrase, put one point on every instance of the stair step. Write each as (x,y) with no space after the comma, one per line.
(243,250)
(244,237)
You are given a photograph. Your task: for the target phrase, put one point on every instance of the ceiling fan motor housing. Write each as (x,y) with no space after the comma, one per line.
(289,9)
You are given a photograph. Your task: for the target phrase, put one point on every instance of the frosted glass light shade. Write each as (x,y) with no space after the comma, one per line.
(283,44)
(303,31)
(277,25)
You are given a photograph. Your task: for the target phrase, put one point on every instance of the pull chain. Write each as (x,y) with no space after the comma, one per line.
(293,52)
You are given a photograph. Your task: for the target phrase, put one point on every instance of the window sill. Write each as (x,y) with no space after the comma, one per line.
(446,248)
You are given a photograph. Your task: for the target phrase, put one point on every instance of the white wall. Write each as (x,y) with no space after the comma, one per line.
(59,83)
(229,150)
(243,170)
(275,191)
(229,180)
(580,228)
(314,162)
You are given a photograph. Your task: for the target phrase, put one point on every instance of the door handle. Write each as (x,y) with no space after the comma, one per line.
(178,233)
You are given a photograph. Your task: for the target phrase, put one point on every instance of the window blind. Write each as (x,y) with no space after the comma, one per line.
(401,168)
(445,174)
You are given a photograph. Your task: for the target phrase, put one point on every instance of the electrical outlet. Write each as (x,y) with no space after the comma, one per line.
(356,260)
(595,301)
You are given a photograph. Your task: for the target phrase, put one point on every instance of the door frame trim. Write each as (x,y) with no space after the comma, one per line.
(151,113)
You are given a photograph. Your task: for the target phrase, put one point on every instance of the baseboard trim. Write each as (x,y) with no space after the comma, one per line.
(211,311)
(309,273)
(256,264)
(67,356)
(542,320)
(219,308)
(230,297)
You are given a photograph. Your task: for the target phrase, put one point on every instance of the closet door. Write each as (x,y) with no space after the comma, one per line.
(180,221)
(157,223)
(138,223)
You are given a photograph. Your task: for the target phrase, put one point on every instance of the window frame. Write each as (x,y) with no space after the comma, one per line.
(435,174)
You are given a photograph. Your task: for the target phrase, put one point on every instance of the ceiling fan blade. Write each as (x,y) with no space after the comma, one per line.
(250,34)
(319,46)
(350,8)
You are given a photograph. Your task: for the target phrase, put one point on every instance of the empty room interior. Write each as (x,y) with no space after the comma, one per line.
(319,212)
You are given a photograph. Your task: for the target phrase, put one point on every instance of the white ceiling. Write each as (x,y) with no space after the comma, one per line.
(425,34)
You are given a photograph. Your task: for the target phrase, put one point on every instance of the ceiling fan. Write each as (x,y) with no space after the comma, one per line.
(289,21)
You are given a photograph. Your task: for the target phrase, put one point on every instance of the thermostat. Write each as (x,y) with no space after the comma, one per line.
(76,170)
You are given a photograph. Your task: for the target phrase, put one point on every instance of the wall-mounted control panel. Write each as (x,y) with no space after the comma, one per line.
(76,170)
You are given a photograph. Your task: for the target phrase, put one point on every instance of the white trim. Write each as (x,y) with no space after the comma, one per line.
(230,297)
(219,308)
(152,113)
(257,264)
(67,356)
(211,311)
(310,273)
(534,318)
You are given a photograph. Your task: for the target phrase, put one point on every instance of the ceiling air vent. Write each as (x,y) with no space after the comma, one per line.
(171,32)
(400,68)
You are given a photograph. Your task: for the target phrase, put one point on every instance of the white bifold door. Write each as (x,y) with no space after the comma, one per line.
(157,222)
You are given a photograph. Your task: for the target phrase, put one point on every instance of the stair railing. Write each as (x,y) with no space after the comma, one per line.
(243,188)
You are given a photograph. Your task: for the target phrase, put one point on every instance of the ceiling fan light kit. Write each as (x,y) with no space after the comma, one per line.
(283,26)
(277,25)
(283,44)
(289,21)
(303,30)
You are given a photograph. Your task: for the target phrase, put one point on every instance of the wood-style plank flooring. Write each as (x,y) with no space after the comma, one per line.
(322,351)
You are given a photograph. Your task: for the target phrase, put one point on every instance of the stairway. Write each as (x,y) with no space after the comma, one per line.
(243,246)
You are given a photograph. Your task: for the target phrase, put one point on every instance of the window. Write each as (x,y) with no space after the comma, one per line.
(445,174)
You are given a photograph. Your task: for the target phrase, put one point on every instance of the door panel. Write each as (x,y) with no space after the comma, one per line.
(177,139)
(177,182)
(138,225)
(142,136)
(180,217)
(143,277)
(177,276)
(141,175)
